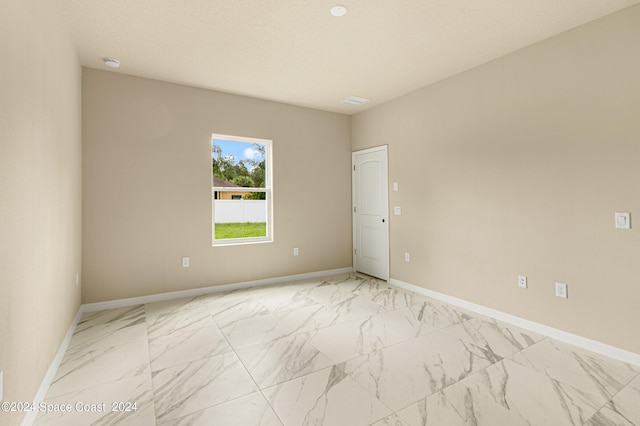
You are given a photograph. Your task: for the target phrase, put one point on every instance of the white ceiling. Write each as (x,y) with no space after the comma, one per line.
(294,51)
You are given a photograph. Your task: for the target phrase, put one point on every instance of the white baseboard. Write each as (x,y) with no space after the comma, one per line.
(122,303)
(51,372)
(574,339)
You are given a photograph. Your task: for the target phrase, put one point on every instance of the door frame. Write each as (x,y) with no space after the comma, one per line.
(385,149)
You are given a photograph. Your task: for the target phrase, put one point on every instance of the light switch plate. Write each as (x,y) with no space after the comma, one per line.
(185,262)
(623,220)
(397,211)
(395,186)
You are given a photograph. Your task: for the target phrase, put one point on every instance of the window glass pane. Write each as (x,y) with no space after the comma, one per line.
(240,189)
(240,218)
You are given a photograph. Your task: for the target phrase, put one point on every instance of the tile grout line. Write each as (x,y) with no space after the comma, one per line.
(391,412)
(233,350)
(610,401)
(153,390)
(248,372)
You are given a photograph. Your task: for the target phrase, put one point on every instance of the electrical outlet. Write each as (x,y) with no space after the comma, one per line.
(522,281)
(407,257)
(296,251)
(561,290)
(185,262)
(1,384)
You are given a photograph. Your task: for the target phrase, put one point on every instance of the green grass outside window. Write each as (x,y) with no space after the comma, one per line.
(240,230)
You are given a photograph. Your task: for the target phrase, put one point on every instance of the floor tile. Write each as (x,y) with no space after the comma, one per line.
(416,414)
(502,395)
(81,369)
(186,346)
(403,373)
(251,294)
(370,286)
(623,410)
(217,299)
(128,316)
(283,301)
(342,350)
(352,339)
(309,318)
(393,375)
(392,420)
(187,388)
(102,336)
(189,319)
(355,307)
(347,280)
(432,315)
(173,306)
(504,339)
(395,298)
(128,401)
(253,331)
(282,359)
(586,370)
(230,311)
(304,284)
(326,397)
(489,340)
(328,294)
(250,410)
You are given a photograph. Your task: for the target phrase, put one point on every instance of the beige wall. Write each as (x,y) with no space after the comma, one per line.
(517,167)
(147,187)
(40,193)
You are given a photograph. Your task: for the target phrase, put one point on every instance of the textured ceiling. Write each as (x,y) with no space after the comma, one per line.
(294,51)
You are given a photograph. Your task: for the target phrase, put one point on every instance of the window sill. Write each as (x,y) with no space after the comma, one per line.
(241,241)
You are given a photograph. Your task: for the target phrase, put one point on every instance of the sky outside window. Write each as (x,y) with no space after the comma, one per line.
(239,150)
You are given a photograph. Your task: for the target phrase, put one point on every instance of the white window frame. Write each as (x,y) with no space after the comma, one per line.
(268,189)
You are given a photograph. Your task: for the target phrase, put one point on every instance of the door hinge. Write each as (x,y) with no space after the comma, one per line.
(354,167)
(355,252)
(354,209)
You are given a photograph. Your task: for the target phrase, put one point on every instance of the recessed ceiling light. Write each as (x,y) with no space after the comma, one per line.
(338,11)
(111,63)
(354,100)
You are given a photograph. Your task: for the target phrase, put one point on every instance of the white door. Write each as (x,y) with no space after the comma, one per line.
(370,212)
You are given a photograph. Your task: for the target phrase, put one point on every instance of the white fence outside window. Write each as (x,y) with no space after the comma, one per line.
(240,211)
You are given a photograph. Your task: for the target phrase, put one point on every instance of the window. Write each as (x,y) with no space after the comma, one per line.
(241,190)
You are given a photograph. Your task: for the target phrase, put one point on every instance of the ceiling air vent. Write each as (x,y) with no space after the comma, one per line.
(354,100)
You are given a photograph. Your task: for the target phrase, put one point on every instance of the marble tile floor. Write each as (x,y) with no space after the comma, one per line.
(344,350)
